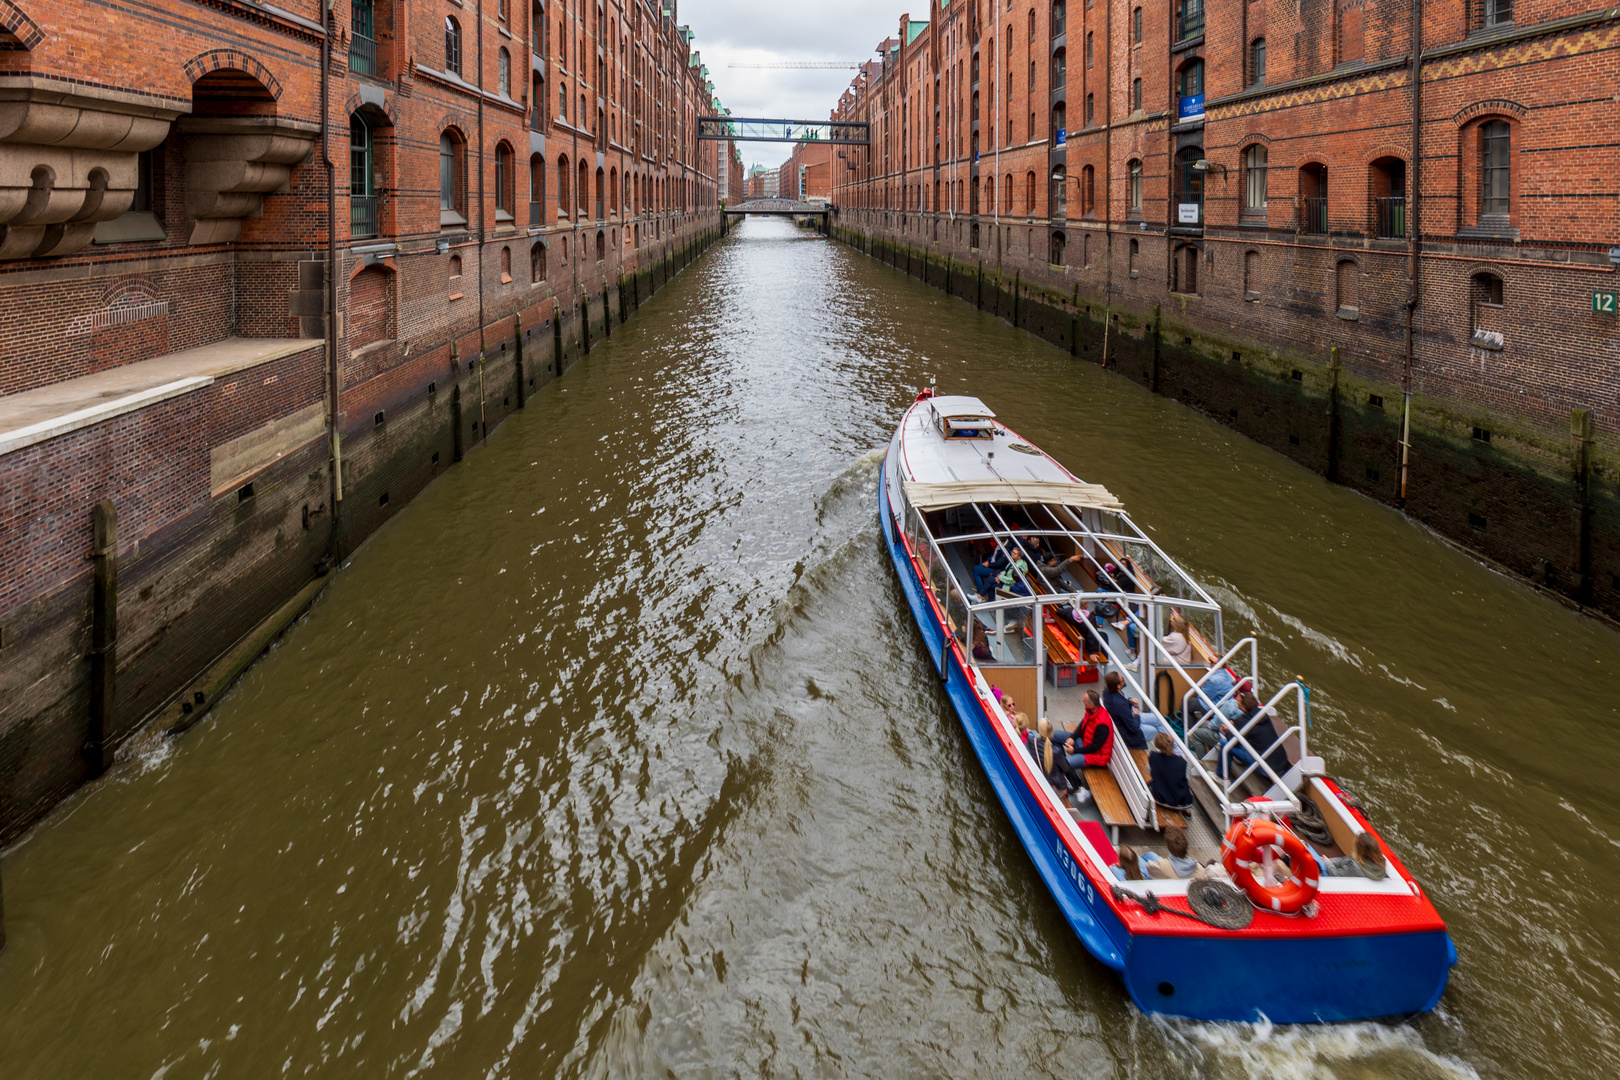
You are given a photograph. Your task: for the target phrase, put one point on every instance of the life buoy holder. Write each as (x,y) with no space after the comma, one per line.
(1242,853)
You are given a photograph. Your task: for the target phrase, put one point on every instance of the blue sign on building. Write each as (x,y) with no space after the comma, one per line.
(1192,107)
(1062,136)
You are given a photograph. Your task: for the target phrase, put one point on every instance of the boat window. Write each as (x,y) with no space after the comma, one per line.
(967,427)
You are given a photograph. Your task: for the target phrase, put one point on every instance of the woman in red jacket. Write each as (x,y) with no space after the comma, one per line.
(1096,741)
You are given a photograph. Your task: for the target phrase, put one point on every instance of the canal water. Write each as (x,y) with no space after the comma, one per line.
(616,754)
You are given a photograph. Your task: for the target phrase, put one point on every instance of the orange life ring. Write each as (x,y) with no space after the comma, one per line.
(1240,854)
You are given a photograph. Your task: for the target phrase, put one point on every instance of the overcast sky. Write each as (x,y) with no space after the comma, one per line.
(762,31)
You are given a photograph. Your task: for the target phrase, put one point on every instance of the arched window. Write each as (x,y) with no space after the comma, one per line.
(1251,275)
(1089,44)
(1060,116)
(1351,33)
(1006,194)
(537,190)
(1257,61)
(1059,17)
(537,105)
(1060,191)
(1136,95)
(1088,191)
(1133,174)
(584,193)
(1136,247)
(1388,183)
(1486,297)
(1032,24)
(506,266)
(1189,183)
(562,102)
(613,190)
(537,262)
(1313,199)
(1185,269)
(503,71)
(452,190)
(505,182)
(1091,111)
(362,179)
(564,207)
(1190,83)
(1347,281)
(1029,193)
(455,266)
(1136,26)
(1254,179)
(452,45)
(1495,168)
(601,245)
(1054,253)
(601,209)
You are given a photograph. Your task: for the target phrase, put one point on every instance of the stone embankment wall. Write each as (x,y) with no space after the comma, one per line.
(1536,501)
(182,597)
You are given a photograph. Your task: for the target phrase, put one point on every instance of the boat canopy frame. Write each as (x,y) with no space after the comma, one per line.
(1281,796)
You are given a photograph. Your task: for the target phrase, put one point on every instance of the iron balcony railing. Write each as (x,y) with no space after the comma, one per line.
(1392,218)
(362,215)
(1313,215)
(536,212)
(362,55)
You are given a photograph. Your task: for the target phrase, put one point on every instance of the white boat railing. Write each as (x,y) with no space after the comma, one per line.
(952,596)
(1225,785)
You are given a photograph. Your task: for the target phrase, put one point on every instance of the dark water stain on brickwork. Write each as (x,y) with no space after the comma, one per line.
(615,755)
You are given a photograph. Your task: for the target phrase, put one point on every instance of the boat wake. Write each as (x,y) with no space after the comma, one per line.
(1309,1052)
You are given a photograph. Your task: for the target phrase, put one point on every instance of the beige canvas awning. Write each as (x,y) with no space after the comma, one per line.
(936,496)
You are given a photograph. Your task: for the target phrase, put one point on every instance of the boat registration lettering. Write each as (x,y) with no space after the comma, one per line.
(1066,860)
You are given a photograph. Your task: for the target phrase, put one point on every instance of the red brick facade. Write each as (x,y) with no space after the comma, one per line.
(1246,176)
(510,178)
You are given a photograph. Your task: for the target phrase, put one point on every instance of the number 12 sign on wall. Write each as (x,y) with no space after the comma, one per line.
(1603,303)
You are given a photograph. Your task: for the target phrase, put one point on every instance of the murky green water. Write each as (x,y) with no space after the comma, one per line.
(615,755)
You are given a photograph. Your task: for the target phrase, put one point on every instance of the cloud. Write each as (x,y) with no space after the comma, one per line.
(738,32)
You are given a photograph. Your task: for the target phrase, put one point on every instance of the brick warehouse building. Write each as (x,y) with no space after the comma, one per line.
(478,188)
(1244,207)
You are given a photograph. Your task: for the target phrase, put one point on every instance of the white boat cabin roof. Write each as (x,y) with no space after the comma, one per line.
(952,452)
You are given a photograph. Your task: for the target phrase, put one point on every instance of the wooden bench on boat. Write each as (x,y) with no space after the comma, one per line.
(1166,816)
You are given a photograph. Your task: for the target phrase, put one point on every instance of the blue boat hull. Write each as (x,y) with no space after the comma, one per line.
(1217,977)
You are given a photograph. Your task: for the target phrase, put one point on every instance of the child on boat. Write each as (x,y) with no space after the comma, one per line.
(1167,772)
(1178,865)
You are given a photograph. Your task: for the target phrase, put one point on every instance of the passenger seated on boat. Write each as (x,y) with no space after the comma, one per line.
(1079,617)
(1010,578)
(1128,868)
(987,569)
(1176,642)
(1051,760)
(1095,745)
(1178,865)
(1167,772)
(981,644)
(1134,728)
(1217,684)
(1257,728)
(1367,860)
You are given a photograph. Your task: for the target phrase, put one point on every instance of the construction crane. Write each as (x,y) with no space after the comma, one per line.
(804,65)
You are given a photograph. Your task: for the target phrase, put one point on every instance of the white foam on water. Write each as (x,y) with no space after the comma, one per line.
(1265,1051)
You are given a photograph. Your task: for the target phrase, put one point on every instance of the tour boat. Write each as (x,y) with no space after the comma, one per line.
(1264,930)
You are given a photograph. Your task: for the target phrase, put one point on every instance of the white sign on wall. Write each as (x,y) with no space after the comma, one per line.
(1189,213)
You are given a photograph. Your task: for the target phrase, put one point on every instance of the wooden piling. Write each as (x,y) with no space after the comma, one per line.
(103,639)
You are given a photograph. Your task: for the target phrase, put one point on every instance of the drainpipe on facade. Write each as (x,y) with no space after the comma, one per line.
(482,234)
(1108,173)
(1413,235)
(333,388)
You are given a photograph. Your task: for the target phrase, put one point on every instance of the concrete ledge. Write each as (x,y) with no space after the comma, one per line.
(34,416)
